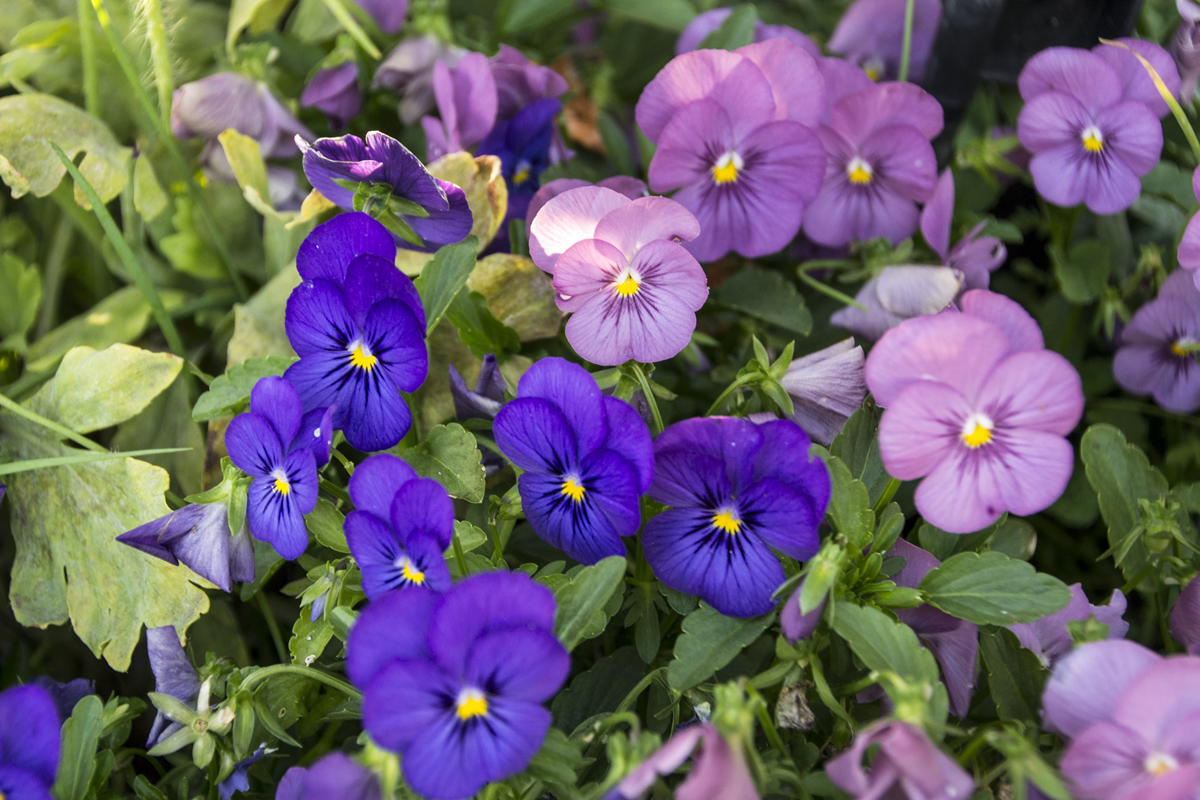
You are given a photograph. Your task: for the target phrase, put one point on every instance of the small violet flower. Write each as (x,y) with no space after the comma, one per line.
(907,765)
(587,459)
(871,35)
(737,490)
(795,625)
(1189,245)
(359,327)
(523,145)
(632,289)
(1185,48)
(400,529)
(280,447)
(1049,637)
(334,91)
(335,775)
(826,387)
(482,403)
(975,256)
(520,82)
(466,101)
(64,695)
(1159,346)
(239,779)
(198,536)
(455,682)
(734,137)
(705,23)
(408,71)
(29,743)
(719,770)
(977,407)
(174,675)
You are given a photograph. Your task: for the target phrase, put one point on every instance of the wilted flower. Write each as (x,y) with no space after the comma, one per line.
(29,743)
(622,184)
(388,13)
(826,387)
(335,775)
(400,528)
(174,675)
(737,491)
(896,294)
(707,22)
(871,34)
(198,535)
(907,766)
(334,91)
(587,459)
(455,682)
(632,289)
(408,71)
(734,138)
(719,771)
(466,101)
(974,256)
(1185,617)
(880,165)
(207,107)
(1049,637)
(1160,344)
(1185,48)
(977,408)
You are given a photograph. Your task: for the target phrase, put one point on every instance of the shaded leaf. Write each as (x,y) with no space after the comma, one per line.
(768,296)
(992,589)
(599,690)
(443,277)
(328,525)
(709,641)
(481,181)
(883,644)
(585,597)
(80,738)
(481,332)
(736,31)
(1015,676)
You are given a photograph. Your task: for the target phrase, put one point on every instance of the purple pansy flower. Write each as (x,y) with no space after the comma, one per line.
(587,459)
(466,101)
(734,138)
(488,396)
(456,682)
(907,765)
(207,107)
(707,22)
(1160,344)
(632,289)
(975,256)
(622,184)
(280,447)
(1185,617)
(335,775)
(408,71)
(826,387)
(400,529)
(896,294)
(520,82)
(977,408)
(1091,136)
(388,13)
(1049,637)
(523,145)
(174,675)
(871,35)
(1136,83)
(65,696)
(29,743)
(239,779)
(1189,245)
(736,490)
(359,327)
(1086,684)
(1185,48)
(385,163)
(198,536)
(334,91)
(841,78)
(880,164)
(719,771)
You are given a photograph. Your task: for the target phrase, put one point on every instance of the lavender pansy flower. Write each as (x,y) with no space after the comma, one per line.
(400,528)
(29,743)
(455,682)
(207,107)
(389,14)
(1185,617)
(279,446)
(174,675)
(1049,637)
(737,490)
(1160,344)
(871,35)
(705,23)
(335,775)
(334,91)
(1185,48)
(897,294)
(466,101)
(359,327)
(907,765)
(1189,245)
(796,625)
(734,138)
(622,184)
(632,289)
(1090,144)
(880,164)
(389,171)
(1136,83)
(974,256)
(826,387)
(198,535)
(978,409)
(408,71)
(64,695)
(1085,685)
(841,78)
(719,770)
(587,459)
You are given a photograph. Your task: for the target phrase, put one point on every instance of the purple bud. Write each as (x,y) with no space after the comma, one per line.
(797,626)
(826,387)
(907,765)
(334,91)
(1185,618)
(198,536)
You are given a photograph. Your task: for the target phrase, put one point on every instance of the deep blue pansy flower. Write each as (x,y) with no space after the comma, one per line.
(29,743)
(335,775)
(737,491)
(64,695)
(385,169)
(358,325)
(455,682)
(587,459)
(239,779)
(174,675)
(400,529)
(280,447)
(523,145)
(198,536)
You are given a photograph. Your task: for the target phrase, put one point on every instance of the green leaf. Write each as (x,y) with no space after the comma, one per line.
(255,16)
(80,738)
(884,644)
(249,169)
(516,15)
(165,423)
(481,180)
(709,641)
(850,504)
(326,523)
(672,15)
(120,317)
(1168,180)
(993,589)
(736,31)
(29,122)
(518,295)
(20,295)
(585,597)
(229,394)
(309,638)
(450,455)
(481,332)
(944,544)
(1083,273)
(258,325)
(556,763)
(469,537)
(1015,676)
(599,690)
(858,446)
(148,196)
(443,277)
(768,296)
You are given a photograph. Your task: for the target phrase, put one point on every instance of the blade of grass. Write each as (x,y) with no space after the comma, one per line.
(87,50)
(829,290)
(82,458)
(906,51)
(351,26)
(49,424)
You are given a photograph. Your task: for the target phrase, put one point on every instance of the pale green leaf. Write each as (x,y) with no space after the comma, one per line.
(148,196)
(258,324)
(256,16)
(518,294)
(120,317)
(20,295)
(450,455)
(80,739)
(229,394)
(484,186)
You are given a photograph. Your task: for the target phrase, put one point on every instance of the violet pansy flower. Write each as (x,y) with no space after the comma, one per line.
(587,459)
(632,289)
(896,294)
(207,107)
(455,682)
(975,256)
(719,770)
(335,775)
(734,137)
(706,22)
(389,14)
(977,408)
(466,101)
(482,403)
(400,528)
(174,675)
(1049,637)
(907,765)
(279,446)
(388,170)
(880,164)
(29,743)
(796,625)
(1160,345)
(359,327)
(65,696)
(523,145)
(198,536)
(520,82)
(871,35)
(408,71)
(1185,617)
(334,91)
(737,490)
(1136,83)
(826,387)
(1189,245)
(1085,685)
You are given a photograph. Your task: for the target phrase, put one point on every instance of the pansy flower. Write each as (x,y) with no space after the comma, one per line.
(400,528)
(586,458)
(826,387)
(1160,344)
(359,327)
(29,743)
(1189,246)
(198,536)
(174,676)
(1185,48)
(719,770)
(407,71)
(522,144)
(871,35)
(1185,617)
(334,91)
(896,294)
(1049,637)
(520,82)
(734,135)
(482,403)
(455,682)
(632,289)
(335,775)
(64,695)
(466,101)
(737,490)
(906,765)
(622,184)
(975,256)
(705,23)
(978,408)
(280,447)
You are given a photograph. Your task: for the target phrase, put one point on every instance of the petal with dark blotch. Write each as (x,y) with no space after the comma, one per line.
(409,699)
(783,518)
(518,664)
(580,529)
(253,445)
(317,320)
(629,436)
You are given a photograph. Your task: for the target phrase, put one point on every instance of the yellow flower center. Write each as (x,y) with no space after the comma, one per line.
(282,486)
(859,171)
(573,490)
(1184,348)
(1093,140)
(977,431)
(521,175)
(727,522)
(726,168)
(873,68)
(628,287)
(361,357)
(471,703)
(1159,764)
(411,573)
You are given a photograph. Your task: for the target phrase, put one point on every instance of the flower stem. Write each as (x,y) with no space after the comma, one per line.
(729,390)
(640,374)
(889,492)
(305,672)
(845,299)
(273,627)
(87,48)
(906,52)
(160,54)
(459,556)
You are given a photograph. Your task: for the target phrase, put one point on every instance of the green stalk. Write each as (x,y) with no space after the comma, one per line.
(729,390)
(304,672)
(906,53)
(87,51)
(56,262)
(61,430)
(845,299)
(273,626)
(160,55)
(351,26)
(83,458)
(140,279)
(889,492)
(645,384)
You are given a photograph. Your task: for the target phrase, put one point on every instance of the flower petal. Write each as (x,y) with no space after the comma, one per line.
(1038,389)
(276,401)
(629,436)
(317,320)
(376,481)
(937,216)
(567,220)
(783,518)
(1084,687)
(1070,70)
(370,279)
(921,427)
(796,82)
(329,249)
(408,703)
(29,731)
(519,664)
(534,435)
(725,77)
(648,219)
(1019,327)
(423,505)
(374,642)
(253,445)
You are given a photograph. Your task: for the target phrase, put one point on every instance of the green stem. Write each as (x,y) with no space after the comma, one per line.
(844,299)
(889,492)
(351,26)
(906,52)
(87,49)
(854,687)
(636,691)
(61,430)
(273,627)
(336,491)
(640,374)
(56,262)
(459,556)
(160,55)
(127,257)
(1132,583)
(729,390)
(304,672)
(768,727)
